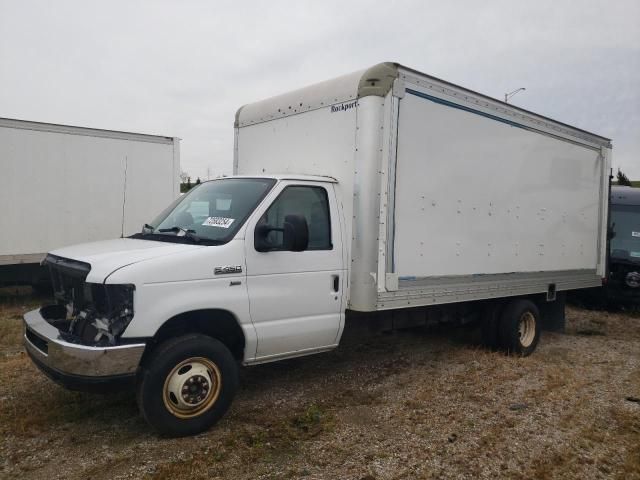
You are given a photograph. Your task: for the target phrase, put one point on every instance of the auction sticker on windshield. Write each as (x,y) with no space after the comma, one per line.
(221,222)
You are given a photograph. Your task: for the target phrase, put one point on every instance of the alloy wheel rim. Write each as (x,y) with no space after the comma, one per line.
(527,329)
(192,387)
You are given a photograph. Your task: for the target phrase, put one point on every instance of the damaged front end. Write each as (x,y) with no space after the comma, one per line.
(86,313)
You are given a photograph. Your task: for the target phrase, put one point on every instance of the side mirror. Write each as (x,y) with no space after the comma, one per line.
(295,235)
(260,242)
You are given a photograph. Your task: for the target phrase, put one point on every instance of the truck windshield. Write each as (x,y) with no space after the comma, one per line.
(210,213)
(625,227)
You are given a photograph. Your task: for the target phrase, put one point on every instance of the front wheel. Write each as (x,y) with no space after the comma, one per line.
(519,330)
(187,384)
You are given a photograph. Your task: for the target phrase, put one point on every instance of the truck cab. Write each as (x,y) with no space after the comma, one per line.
(255,262)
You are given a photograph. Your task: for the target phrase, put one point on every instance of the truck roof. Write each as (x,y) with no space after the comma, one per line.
(89,132)
(621,195)
(378,80)
(289,176)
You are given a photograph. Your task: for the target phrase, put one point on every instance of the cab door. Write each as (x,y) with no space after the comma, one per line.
(295,298)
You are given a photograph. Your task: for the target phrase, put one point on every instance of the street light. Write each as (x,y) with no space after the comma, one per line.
(507,96)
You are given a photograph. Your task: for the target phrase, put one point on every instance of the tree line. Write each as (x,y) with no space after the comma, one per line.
(622,179)
(185,182)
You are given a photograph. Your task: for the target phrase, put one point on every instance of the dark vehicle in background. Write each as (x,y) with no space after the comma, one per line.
(621,286)
(623,281)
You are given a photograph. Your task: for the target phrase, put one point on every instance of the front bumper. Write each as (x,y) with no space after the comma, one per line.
(76,366)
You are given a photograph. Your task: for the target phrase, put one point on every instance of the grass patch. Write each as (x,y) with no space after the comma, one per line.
(73,410)
(10,334)
(31,404)
(590,332)
(311,421)
(412,404)
(272,441)
(14,303)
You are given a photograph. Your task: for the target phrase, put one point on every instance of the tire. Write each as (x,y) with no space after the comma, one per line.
(519,330)
(186,385)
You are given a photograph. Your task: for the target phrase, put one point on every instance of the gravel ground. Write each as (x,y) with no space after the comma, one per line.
(407,405)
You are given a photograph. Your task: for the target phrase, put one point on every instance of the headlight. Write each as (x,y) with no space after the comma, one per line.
(113,310)
(97,314)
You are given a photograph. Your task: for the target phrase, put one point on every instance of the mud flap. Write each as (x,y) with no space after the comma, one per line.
(552,313)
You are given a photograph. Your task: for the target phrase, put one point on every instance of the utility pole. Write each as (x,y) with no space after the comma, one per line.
(507,96)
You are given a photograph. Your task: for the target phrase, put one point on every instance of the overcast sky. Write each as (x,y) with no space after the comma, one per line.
(182,68)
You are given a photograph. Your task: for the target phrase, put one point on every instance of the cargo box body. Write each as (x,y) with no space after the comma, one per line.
(447,195)
(62,185)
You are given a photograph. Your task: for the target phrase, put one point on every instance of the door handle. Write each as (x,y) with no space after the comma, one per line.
(336,283)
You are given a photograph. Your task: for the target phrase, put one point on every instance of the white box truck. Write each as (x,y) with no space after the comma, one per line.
(61,185)
(381,199)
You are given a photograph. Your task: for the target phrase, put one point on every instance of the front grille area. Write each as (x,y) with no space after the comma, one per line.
(68,279)
(37,341)
(86,313)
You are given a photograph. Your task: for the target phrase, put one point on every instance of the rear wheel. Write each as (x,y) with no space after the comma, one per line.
(187,384)
(519,331)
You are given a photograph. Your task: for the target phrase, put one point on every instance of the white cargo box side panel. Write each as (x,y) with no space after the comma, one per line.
(318,142)
(59,188)
(475,195)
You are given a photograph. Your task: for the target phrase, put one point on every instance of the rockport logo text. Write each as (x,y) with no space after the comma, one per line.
(343,107)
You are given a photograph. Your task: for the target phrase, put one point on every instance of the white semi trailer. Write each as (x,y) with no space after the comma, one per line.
(61,185)
(381,199)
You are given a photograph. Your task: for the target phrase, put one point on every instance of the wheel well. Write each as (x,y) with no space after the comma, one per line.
(219,324)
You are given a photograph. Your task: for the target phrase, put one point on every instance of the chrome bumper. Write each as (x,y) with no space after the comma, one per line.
(43,343)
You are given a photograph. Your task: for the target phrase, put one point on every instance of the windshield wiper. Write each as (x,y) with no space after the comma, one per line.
(147,229)
(182,232)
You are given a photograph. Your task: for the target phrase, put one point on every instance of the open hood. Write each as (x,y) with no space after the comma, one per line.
(107,256)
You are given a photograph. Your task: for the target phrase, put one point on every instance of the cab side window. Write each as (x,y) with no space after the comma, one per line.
(310,202)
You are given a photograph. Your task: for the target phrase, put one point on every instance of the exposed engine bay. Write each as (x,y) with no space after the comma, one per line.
(86,313)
